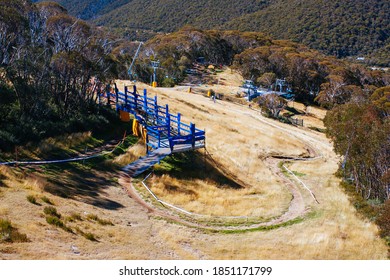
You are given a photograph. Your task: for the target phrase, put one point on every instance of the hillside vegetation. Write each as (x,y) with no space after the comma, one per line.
(312,75)
(51,68)
(341,28)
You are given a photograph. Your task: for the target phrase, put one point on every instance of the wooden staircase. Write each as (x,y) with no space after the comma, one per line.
(141,165)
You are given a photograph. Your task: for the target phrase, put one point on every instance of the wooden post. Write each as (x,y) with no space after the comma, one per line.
(147,142)
(178,123)
(108,94)
(156,109)
(145,101)
(126,96)
(192,126)
(135,101)
(135,97)
(116,94)
(168,119)
(98,95)
(108,98)
(116,99)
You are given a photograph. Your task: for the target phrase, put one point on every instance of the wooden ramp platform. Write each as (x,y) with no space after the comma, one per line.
(141,165)
(157,126)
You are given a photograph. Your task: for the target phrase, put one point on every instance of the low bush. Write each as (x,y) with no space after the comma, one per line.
(98,220)
(55,221)
(74,217)
(9,234)
(383,222)
(32,199)
(51,211)
(47,200)
(88,235)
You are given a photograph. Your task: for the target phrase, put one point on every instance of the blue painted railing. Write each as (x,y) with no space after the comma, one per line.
(164,130)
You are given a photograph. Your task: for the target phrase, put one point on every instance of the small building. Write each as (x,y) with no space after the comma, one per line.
(282,86)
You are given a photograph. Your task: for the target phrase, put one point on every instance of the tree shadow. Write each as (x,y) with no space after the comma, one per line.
(2,184)
(81,183)
(294,110)
(195,166)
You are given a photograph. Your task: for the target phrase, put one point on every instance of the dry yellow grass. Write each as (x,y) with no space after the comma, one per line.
(208,198)
(238,142)
(238,138)
(132,154)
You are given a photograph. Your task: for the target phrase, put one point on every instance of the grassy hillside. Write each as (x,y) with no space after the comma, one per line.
(341,28)
(80,211)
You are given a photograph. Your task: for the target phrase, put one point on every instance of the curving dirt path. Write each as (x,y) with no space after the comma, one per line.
(298,206)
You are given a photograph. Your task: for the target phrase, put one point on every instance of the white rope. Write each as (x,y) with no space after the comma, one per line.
(302,183)
(42,162)
(159,200)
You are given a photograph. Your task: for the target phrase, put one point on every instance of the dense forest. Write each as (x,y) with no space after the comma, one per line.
(341,28)
(51,67)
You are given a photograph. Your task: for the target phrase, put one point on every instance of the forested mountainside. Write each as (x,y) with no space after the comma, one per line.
(341,28)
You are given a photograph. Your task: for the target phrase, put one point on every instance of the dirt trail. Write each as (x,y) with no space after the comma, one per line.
(297,208)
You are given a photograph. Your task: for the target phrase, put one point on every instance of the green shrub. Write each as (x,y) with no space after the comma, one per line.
(322,130)
(168,82)
(10,234)
(55,221)
(47,200)
(90,236)
(74,217)
(51,211)
(362,205)
(102,222)
(32,199)
(383,222)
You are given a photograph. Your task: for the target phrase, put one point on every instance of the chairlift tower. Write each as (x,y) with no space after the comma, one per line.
(155,65)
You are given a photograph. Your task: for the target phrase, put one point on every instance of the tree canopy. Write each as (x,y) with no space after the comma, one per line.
(52,66)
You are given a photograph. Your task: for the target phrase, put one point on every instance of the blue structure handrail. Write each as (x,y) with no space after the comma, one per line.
(163,128)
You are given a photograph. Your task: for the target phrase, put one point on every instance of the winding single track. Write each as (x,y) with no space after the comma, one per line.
(298,207)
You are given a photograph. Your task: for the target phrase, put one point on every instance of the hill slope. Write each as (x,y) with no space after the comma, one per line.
(84,194)
(342,28)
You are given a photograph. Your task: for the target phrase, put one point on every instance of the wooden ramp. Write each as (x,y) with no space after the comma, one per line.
(141,165)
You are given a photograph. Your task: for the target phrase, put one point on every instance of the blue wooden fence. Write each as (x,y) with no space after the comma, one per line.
(164,130)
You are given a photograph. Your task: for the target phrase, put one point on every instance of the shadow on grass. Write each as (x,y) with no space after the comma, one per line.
(2,184)
(82,183)
(194,166)
(293,110)
(85,180)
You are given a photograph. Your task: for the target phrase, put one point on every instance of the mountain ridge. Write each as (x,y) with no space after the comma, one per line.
(340,28)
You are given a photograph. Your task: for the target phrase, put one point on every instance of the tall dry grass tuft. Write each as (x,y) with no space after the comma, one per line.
(63,142)
(132,154)
(208,198)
